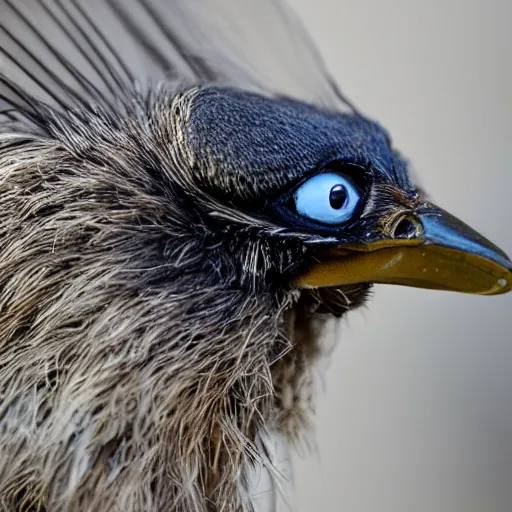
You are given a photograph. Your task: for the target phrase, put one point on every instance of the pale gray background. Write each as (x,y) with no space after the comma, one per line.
(417,415)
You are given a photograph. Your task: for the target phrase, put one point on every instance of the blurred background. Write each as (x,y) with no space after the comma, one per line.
(416,415)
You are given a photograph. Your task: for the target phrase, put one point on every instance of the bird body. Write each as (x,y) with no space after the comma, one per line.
(162,291)
(149,365)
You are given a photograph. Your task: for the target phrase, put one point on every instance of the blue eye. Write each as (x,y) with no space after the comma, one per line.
(329,198)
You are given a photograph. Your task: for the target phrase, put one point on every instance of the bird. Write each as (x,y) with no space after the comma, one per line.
(186,199)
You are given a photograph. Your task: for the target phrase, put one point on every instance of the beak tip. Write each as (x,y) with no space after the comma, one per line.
(503,282)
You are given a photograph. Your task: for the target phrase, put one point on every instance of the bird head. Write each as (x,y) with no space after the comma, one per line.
(305,199)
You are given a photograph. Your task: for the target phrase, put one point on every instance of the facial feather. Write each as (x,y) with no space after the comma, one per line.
(145,347)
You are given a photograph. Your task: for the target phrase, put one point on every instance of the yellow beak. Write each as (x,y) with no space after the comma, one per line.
(441,253)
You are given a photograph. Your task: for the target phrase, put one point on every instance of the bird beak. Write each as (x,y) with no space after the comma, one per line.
(428,249)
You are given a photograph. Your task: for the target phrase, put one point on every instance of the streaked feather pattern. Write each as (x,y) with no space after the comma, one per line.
(96,48)
(125,397)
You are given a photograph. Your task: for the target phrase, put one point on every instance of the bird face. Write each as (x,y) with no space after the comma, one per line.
(330,191)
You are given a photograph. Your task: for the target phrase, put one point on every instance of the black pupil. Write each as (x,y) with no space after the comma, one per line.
(338,196)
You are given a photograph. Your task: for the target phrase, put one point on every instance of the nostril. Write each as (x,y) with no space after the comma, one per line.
(406,228)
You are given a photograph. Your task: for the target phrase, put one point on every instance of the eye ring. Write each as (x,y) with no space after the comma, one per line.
(330,198)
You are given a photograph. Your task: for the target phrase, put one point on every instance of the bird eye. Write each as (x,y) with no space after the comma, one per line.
(328,197)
